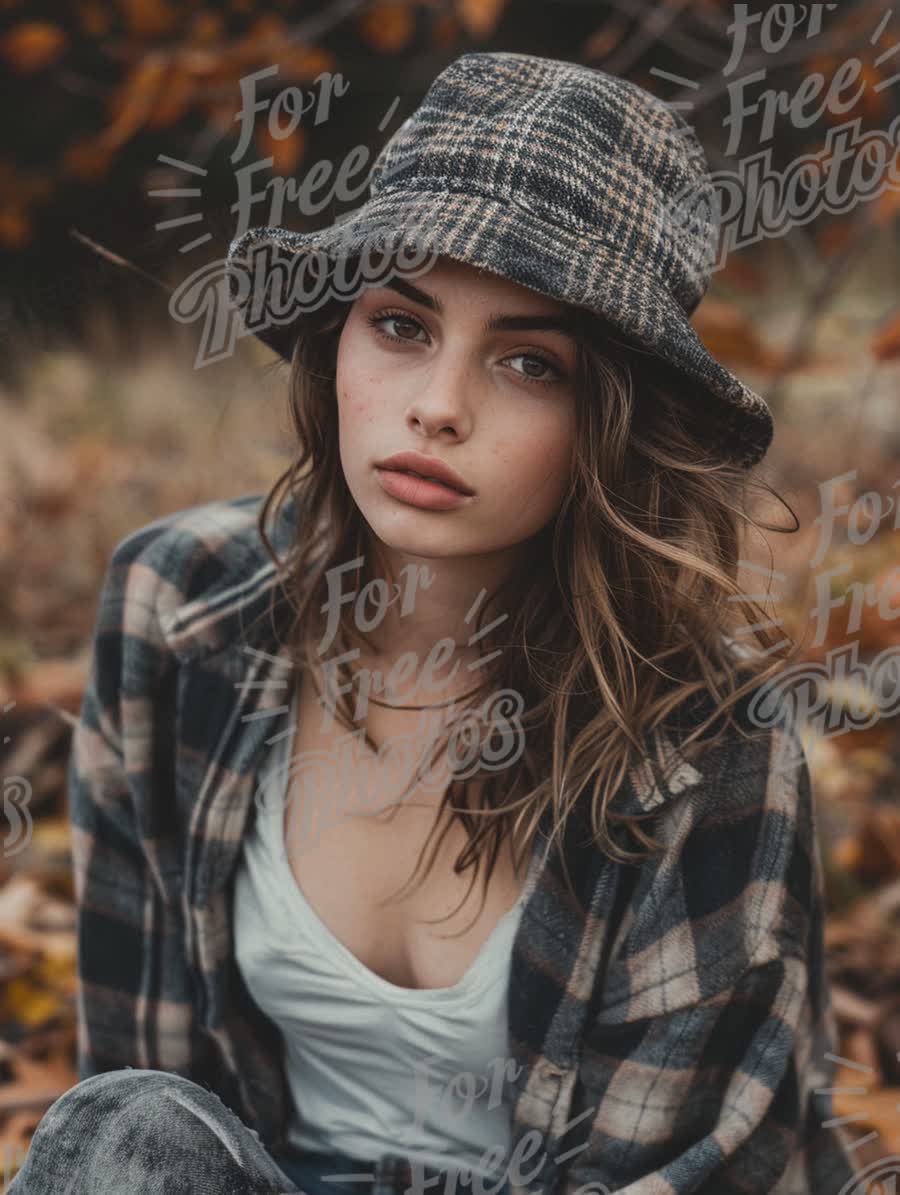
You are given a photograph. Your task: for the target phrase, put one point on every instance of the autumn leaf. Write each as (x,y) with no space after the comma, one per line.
(833,238)
(877,846)
(32,46)
(86,159)
(54,835)
(15,227)
(870,105)
(874,1110)
(29,1003)
(480,17)
(206,26)
(265,30)
(36,1083)
(444,30)
(879,623)
(135,101)
(886,206)
(150,18)
(739,271)
(285,152)
(93,18)
(260,43)
(728,333)
(173,100)
(602,43)
(206,64)
(886,343)
(388,27)
(304,64)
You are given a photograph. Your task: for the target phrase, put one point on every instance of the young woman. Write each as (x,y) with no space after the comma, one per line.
(436,834)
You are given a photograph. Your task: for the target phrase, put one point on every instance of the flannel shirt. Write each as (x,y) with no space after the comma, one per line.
(669,1031)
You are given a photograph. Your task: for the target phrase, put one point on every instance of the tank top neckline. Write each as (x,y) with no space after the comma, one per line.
(486,968)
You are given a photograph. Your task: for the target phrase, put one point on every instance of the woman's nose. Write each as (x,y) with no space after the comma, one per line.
(443,398)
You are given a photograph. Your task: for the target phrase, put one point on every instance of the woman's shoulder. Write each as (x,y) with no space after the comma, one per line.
(735,880)
(748,798)
(187,563)
(759,744)
(218,528)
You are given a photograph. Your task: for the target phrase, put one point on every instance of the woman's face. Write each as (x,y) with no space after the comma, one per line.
(470,370)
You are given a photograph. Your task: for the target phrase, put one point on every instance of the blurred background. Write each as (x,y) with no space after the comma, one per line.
(125,168)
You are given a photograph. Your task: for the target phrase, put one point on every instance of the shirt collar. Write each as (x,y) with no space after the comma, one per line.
(249,606)
(247,602)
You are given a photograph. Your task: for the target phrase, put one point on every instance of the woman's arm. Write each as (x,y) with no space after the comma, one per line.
(701,1066)
(134,998)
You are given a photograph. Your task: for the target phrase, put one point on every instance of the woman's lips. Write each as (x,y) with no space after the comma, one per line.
(419,491)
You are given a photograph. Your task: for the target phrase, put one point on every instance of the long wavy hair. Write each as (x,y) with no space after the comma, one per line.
(624,609)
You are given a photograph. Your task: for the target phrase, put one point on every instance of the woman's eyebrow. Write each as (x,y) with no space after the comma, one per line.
(496,323)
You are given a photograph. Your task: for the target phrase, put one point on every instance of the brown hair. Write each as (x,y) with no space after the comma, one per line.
(623,624)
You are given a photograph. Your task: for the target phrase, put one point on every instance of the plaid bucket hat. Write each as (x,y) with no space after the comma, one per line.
(575,183)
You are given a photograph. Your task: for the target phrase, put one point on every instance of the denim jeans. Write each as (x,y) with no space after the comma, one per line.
(149,1132)
(308,1171)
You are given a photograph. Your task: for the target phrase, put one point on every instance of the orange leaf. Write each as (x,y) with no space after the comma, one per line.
(173,100)
(729,334)
(875,1109)
(264,39)
(32,46)
(881,630)
(93,18)
(206,26)
(602,43)
(834,237)
(135,101)
(87,160)
(886,344)
(388,27)
(285,152)
(445,30)
(150,18)
(204,64)
(304,63)
(740,272)
(266,29)
(887,204)
(58,681)
(480,17)
(15,227)
(869,105)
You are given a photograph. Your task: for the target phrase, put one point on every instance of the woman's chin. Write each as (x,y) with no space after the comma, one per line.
(434,546)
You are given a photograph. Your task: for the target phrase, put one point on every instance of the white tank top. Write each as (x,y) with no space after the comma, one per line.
(372,1067)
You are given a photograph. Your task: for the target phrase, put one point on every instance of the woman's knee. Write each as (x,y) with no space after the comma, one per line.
(118,1096)
(111,1087)
(132,1129)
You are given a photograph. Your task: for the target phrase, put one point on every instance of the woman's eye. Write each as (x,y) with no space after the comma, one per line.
(405,327)
(536,369)
(399,326)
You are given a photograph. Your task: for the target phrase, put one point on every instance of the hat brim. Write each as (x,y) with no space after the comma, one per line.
(512,242)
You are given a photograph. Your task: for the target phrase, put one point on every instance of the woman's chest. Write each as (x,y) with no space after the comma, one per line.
(350,850)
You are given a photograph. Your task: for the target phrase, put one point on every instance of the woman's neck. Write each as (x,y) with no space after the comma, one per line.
(435,615)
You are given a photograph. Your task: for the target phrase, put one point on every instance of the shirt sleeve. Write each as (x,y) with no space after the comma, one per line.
(707,1048)
(133,1000)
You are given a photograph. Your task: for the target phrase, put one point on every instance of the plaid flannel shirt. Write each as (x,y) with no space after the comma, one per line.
(668,1036)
